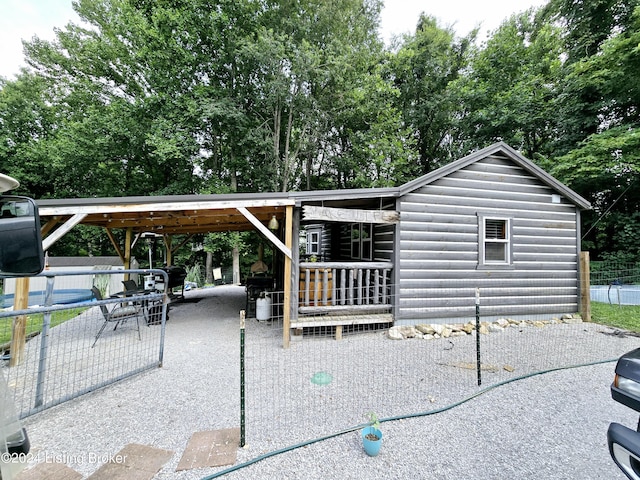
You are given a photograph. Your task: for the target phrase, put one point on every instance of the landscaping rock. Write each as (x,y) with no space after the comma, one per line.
(425,329)
(503,322)
(400,332)
(434,331)
(468,327)
(437,328)
(568,318)
(395,334)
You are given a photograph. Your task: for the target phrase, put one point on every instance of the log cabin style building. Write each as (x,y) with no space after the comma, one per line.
(491,223)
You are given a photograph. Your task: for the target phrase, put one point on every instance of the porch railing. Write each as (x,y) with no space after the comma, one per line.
(345,287)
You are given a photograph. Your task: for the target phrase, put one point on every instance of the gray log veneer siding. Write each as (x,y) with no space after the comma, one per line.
(437,259)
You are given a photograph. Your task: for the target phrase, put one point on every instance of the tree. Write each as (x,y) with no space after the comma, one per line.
(308,57)
(586,26)
(27,122)
(425,70)
(605,167)
(511,91)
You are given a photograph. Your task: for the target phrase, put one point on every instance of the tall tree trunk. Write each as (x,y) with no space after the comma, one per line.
(236,266)
(209,269)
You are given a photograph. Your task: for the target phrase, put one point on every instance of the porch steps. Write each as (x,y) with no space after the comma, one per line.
(339,321)
(346,310)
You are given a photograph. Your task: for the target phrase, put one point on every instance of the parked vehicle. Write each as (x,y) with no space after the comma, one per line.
(20,255)
(624,443)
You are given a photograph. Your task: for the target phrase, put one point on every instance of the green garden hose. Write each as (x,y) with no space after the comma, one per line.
(399,417)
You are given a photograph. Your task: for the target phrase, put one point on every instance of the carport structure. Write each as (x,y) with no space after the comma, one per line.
(173,215)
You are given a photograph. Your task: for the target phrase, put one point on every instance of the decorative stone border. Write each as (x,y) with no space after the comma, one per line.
(430,331)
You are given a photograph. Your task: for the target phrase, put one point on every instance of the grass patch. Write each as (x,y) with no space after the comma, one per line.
(34,323)
(626,317)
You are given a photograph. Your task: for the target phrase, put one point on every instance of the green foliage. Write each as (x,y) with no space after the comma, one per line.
(511,92)
(612,156)
(34,323)
(425,70)
(589,23)
(158,97)
(222,244)
(626,317)
(373,420)
(27,121)
(606,169)
(194,274)
(84,240)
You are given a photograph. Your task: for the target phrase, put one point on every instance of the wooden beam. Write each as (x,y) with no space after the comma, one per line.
(344,309)
(64,229)
(332,320)
(50,225)
(167,248)
(349,215)
(127,251)
(286,308)
(171,206)
(117,247)
(266,232)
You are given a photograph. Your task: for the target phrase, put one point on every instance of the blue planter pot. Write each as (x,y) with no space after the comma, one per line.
(372,447)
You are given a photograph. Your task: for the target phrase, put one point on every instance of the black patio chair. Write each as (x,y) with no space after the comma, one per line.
(152,310)
(130,286)
(117,315)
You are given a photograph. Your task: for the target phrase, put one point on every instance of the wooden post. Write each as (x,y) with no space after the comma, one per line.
(288,239)
(585,287)
(168,240)
(18,334)
(127,252)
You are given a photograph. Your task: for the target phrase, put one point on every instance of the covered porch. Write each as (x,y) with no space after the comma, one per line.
(354,285)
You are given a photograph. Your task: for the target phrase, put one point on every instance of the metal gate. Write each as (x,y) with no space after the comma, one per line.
(54,351)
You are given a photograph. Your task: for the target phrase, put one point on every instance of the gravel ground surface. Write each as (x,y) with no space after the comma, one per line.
(550,426)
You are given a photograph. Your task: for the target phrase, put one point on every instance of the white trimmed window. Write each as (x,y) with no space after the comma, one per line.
(313,243)
(494,240)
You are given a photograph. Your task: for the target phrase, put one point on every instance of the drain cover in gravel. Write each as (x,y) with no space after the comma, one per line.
(321,378)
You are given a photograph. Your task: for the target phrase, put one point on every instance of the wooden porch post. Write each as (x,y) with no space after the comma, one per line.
(18,336)
(288,236)
(585,287)
(127,251)
(168,239)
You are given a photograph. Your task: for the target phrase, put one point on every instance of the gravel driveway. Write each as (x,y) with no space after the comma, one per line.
(550,426)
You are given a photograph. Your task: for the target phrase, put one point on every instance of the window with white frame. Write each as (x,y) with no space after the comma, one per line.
(313,241)
(494,240)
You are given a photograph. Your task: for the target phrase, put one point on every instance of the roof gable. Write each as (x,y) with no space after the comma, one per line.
(503,149)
